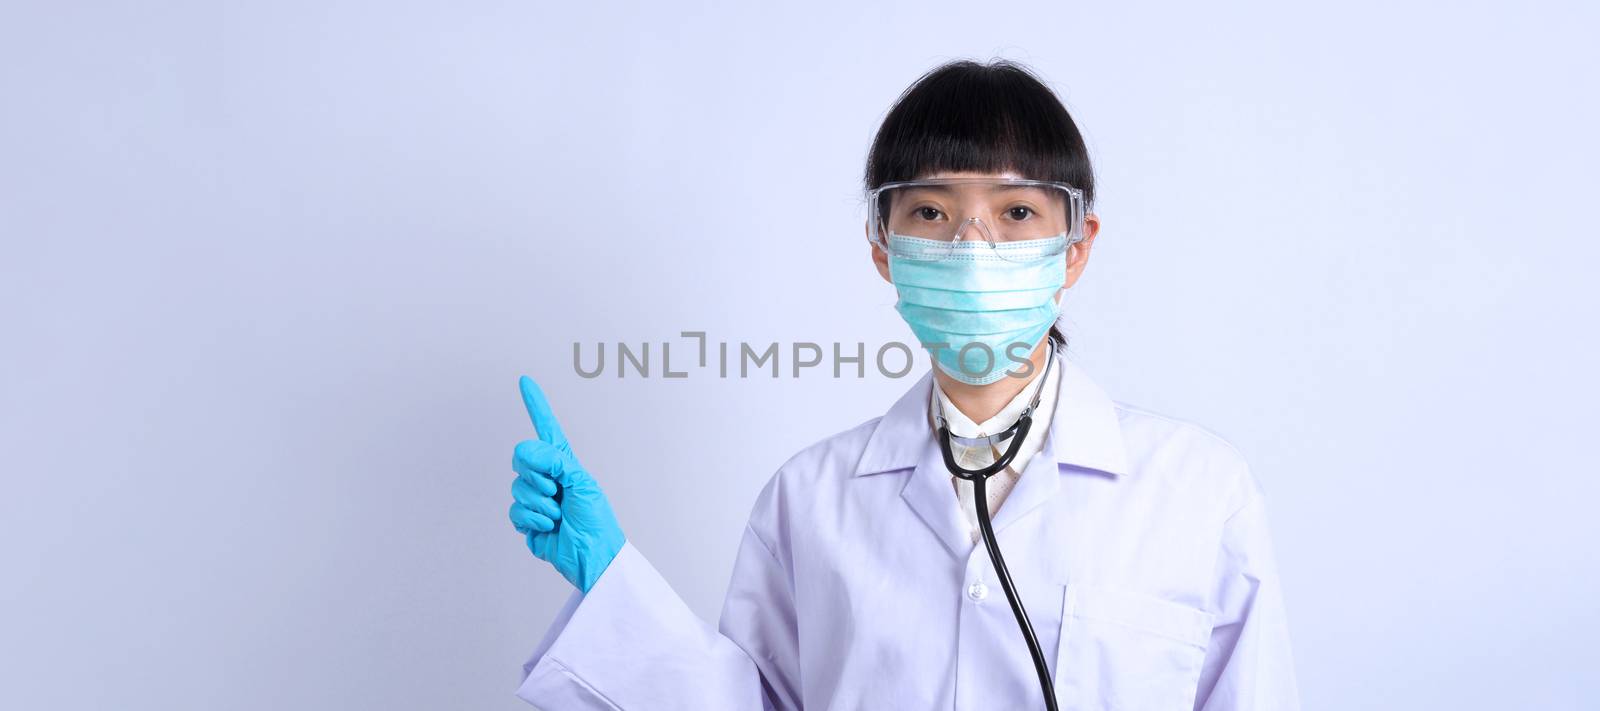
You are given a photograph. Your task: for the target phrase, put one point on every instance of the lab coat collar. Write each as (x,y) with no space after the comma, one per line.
(1084,429)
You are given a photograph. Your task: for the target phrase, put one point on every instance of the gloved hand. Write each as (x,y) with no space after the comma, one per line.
(558,506)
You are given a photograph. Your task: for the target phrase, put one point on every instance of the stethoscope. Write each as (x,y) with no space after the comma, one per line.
(1017,432)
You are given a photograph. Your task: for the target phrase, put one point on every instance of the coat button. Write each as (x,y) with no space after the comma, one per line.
(978,591)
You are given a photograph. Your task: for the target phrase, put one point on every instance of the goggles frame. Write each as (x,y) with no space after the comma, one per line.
(877,230)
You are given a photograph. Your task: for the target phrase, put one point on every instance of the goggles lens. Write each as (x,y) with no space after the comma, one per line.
(944,215)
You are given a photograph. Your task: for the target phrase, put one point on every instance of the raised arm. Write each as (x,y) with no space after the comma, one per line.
(625,639)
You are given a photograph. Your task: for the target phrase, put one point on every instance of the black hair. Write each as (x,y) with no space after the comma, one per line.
(990,118)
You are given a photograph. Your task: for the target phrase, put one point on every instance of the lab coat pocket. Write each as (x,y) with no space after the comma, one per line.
(1128,651)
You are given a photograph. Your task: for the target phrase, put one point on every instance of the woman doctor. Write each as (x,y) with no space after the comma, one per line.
(1137,543)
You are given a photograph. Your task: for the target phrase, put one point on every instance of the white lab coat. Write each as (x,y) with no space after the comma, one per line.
(1138,542)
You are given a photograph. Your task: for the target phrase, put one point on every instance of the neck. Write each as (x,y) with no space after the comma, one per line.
(981,402)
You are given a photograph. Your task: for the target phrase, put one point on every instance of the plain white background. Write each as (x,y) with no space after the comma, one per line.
(271,269)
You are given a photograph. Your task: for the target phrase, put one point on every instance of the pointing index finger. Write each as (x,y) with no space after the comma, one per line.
(544,421)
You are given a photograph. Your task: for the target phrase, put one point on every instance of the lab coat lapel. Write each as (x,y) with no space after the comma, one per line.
(931,492)
(903,443)
(1084,434)
(1039,481)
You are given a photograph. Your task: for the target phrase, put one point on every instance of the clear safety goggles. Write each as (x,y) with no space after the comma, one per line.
(934,217)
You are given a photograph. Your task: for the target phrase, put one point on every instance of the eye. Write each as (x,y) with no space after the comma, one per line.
(927,213)
(1019,213)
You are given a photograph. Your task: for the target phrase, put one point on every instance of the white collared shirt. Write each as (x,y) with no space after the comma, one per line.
(1003,481)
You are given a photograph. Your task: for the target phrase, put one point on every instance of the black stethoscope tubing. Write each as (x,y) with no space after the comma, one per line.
(1017,432)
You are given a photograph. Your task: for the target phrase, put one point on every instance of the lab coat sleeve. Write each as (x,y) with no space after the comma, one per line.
(1248,665)
(632,643)
(759,616)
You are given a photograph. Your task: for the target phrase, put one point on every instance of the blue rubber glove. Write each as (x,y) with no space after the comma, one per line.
(558,506)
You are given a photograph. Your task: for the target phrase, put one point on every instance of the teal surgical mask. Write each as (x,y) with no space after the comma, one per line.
(980,308)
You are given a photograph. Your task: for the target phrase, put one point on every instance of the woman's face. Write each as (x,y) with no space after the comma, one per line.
(1002,216)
